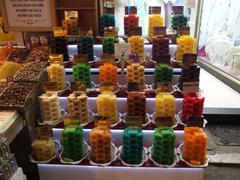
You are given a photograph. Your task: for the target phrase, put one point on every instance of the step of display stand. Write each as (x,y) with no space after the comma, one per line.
(116,171)
(121,104)
(122,108)
(97,49)
(149,77)
(147,71)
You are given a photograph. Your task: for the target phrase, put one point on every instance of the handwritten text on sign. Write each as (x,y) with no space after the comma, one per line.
(28,13)
(122,49)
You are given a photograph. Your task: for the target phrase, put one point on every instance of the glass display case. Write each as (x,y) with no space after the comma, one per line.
(219,40)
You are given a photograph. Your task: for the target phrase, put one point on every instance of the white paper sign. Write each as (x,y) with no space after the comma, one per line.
(28,13)
(191,3)
(122,49)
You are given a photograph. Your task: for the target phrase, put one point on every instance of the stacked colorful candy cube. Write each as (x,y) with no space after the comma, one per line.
(189,73)
(160,47)
(132,148)
(108,45)
(56,73)
(71,25)
(108,77)
(101,143)
(163,146)
(72,139)
(85,46)
(78,106)
(136,105)
(107,106)
(81,72)
(163,74)
(137,45)
(195,145)
(106,20)
(178,21)
(59,46)
(153,21)
(130,23)
(186,45)
(192,106)
(135,73)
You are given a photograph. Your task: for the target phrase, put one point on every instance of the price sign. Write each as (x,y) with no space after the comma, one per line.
(56,58)
(163,59)
(10,79)
(78,86)
(49,86)
(70,120)
(164,87)
(101,120)
(190,87)
(134,121)
(137,31)
(122,49)
(130,10)
(28,15)
(194,121)
(44,133)
(177,9)
(81,58)
(154,10)
(133,86)
(164,121)
(184,31)
(189,59)
(159,31)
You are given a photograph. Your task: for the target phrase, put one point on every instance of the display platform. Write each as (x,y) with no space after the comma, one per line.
(122,108)
(97,49)
(56,170)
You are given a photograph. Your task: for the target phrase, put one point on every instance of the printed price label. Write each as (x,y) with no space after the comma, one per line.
(130,10)
(56,58)
(49,86)
(136,31)
(122,49)
(177,9)
(81,58)
(107,58)
(164,121)
(133,86)
(71,120)
(184,31)
(79,86)
(189,59)
(134,121)
(154,10)
(101,120)
(164,87)
(194,121)
(159,31)
(164,59)
(44,133)
(10,79)
(190,87)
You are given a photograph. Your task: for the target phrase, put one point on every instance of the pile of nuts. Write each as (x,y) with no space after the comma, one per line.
(39,54)
(30,71)
(16,93)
